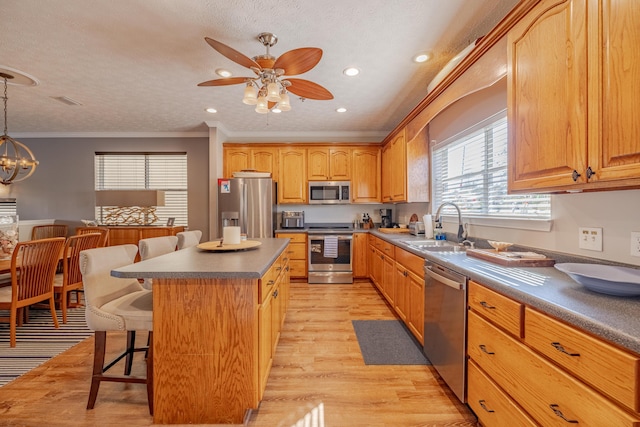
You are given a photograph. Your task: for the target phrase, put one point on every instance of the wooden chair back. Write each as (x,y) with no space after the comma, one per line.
(48,231)
(104,234)
(33,266)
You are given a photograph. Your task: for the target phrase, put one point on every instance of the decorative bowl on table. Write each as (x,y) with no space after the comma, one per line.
(499,246)
(605,279)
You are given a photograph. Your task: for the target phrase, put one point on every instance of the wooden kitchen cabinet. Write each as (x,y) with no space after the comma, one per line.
(297,253)
(365,176)
(292,175)
(578,379)
(572,97)
(405,168)
(360,254)
(409,285)
(328,164)
(261,159)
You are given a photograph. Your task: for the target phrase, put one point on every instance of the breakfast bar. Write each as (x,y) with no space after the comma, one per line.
(207,330)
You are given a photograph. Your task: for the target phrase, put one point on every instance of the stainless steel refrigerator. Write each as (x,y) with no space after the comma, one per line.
(249,203)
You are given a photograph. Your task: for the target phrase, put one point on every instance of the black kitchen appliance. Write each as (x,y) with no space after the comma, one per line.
(385,218)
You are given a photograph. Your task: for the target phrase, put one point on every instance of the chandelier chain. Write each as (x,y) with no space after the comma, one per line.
(5,105)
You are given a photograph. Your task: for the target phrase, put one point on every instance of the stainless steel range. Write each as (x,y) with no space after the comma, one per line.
(330,253)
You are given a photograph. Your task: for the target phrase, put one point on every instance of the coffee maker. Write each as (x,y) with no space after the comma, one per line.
(385,218)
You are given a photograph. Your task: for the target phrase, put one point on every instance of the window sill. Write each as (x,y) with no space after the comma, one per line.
(515,223)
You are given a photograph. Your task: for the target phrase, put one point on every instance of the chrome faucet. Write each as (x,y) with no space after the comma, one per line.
(462,234)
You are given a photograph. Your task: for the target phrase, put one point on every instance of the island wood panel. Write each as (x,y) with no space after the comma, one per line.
(205,350)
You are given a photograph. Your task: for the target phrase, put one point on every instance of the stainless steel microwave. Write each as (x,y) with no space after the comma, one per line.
(329,192)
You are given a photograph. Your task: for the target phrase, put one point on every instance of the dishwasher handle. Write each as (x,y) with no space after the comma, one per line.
(445,281)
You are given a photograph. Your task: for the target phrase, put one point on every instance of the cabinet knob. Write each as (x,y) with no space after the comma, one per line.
(590,172)
(575,175)
(561,349)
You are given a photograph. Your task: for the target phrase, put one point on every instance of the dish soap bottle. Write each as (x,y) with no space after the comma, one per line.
(438,232)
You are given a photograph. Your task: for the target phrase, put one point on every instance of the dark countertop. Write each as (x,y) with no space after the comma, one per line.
(614,319)
(193,263)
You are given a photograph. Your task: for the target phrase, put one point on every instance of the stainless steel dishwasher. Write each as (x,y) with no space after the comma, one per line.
(445,325)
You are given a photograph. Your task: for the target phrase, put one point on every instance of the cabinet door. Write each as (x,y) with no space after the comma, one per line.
(388,279)
(235,160)
(399,168)
(365,183)
(318,164)
(402,293)
(265,347)
(360,252)
(415,314)
(547,96)
(292,182)
(614,91)
(340,164)
(265,160)
(387,173)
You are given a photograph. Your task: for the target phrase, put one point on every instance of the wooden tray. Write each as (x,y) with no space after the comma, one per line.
(512,259)
(226,247)
(393,230)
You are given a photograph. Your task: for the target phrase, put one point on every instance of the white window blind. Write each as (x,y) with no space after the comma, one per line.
(146,171)
(470,170)
(8,207)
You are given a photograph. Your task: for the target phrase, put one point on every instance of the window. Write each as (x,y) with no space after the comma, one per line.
(146,171)
(470,170)
(8,207)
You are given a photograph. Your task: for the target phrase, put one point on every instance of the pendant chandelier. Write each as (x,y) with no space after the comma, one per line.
(17,162)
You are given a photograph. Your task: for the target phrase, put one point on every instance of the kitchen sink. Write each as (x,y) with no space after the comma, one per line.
(430,245)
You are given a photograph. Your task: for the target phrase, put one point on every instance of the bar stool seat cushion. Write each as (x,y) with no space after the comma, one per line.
(132,312)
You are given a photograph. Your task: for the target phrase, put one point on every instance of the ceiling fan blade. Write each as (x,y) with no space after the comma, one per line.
(225,82)
(298,61)
(309,90)
(232,54)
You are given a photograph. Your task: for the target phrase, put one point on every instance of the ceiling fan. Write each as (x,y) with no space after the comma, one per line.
(269,87)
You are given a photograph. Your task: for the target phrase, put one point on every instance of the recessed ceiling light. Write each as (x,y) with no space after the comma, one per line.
(421,57)
(211,110)
(223,73)
(341,110)
(351,71)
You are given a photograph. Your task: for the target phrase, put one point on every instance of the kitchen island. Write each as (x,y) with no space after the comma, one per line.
(206,321)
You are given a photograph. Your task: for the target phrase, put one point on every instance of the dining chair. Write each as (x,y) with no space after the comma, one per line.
(115,304)
(186,239)
(153,247)
(33,265)
(104,234)
(70,280)
(48,231)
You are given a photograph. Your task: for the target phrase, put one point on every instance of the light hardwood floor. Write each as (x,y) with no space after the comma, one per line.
(317,361)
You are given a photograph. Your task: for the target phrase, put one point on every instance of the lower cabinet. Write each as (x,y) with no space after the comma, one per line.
(360,251)
(512,378)
(297,253)
(274,296)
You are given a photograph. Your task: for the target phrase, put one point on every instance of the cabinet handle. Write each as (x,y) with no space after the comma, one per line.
(270,282)
(561,349)
(275,293)
(405,273)
(575,175)
(278,268)
(487,305)
(559,413)
(590,172)
(484,348)
(481,402)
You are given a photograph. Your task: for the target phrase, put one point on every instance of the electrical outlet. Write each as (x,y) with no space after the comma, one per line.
(590,238)
(635,243)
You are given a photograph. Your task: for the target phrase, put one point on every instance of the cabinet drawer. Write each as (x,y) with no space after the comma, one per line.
(501,310)
(298,251)
(492,406)
(267,281)
(295,237)
(298,268)
(388,249)
(547,393)
(410,261)
(607,368)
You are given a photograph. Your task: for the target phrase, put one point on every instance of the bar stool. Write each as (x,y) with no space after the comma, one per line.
(186,239)
(115,304)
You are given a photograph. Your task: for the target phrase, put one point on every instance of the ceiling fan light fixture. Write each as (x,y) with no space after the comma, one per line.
(284,104)
(273,92)
(262,106)
(250,95)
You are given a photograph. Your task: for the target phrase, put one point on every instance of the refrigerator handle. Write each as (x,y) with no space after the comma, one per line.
(243,208)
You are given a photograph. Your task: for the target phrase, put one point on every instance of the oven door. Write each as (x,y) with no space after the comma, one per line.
(330,258)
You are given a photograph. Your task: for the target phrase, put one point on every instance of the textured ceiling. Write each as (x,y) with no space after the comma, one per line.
(134,65)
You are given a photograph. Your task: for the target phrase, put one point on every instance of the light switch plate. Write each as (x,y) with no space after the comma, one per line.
(590,238)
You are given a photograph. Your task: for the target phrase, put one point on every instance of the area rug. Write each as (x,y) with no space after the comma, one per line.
(388,342)
(39,341)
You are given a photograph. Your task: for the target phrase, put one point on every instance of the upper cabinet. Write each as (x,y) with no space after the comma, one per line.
(365,180)
(573,86)
(292,182)
(405,168)
(328,164)
(262,159)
